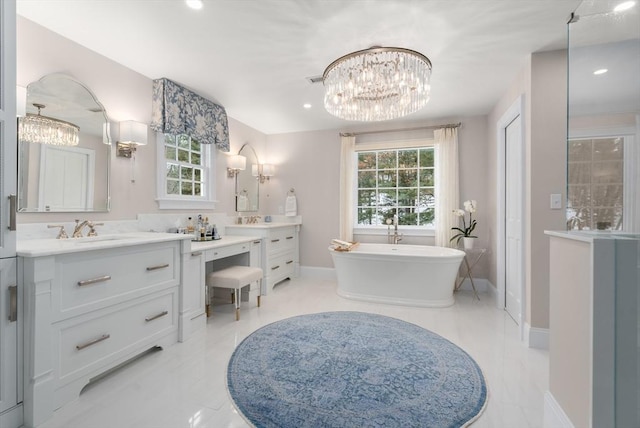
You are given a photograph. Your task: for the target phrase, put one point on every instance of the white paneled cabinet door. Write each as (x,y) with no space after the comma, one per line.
(8,337)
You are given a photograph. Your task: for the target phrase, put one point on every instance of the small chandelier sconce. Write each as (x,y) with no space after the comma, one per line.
(132,134)
(235,164)
(262,171)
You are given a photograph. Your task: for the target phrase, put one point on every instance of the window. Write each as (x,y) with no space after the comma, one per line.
(396,181)
(596,183)
(185,177)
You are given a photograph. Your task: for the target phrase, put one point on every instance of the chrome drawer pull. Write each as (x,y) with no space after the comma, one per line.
(13,303)
(199,253)
(289,237)
(256,242)
(275,267)
(275,240)
(158,267)
(155,317)
(289,262)
(94,280)
(93,342)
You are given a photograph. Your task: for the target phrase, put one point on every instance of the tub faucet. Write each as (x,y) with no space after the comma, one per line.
(396,237)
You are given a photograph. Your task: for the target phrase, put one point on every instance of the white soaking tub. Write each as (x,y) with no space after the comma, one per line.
(411,275)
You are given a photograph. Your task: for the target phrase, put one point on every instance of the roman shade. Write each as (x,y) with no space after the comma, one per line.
(177,110)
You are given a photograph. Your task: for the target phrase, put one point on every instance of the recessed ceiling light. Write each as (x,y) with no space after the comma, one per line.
(307,105)
(194,4)
(624,6)
(600,71)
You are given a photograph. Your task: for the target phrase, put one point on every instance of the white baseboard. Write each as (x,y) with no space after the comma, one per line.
(536,337)
(554,416)
(328,274)
(482,285)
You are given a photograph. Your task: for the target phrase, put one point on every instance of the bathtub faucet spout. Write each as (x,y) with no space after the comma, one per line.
(396,237)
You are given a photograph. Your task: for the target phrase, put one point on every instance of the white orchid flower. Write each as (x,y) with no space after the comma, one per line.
(458,212)
(470,206)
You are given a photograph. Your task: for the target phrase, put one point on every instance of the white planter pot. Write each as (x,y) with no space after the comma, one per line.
(468,243)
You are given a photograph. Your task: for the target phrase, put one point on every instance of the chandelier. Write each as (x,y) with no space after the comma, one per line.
(377,84)
(35,128)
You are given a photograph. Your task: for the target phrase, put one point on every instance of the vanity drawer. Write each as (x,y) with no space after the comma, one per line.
(228,250)
(91,341)
(88,281)
(281,240)
(281,266)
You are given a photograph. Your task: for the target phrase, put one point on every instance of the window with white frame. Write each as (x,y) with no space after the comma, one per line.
(185,173)
(397,181)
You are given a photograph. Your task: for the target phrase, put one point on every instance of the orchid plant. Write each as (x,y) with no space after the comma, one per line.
(465,231)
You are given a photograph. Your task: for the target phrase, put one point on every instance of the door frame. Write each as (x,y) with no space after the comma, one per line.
(516,109)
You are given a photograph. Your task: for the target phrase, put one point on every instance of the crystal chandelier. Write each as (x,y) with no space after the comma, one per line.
(35,128)
(377,84)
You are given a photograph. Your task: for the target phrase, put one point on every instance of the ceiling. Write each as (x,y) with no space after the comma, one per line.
(253,56)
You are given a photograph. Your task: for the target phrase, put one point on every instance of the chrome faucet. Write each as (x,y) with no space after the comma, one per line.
(396,237)
(574,221)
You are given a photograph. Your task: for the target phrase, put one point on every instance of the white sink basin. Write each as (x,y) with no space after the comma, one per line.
(91,239)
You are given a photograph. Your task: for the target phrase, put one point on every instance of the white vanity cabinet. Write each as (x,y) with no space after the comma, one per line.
(280,250)
(89,311)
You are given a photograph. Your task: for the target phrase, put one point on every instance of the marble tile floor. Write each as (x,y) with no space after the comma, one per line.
(184,384)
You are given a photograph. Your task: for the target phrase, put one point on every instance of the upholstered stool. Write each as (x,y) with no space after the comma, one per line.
(236,277)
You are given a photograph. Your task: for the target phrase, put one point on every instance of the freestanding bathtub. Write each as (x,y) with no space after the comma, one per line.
(412,275)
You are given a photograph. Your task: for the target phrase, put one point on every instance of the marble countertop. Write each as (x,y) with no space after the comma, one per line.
(50,246)
(590,235)
(263,225)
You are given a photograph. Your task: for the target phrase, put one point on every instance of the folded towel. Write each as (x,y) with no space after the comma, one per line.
(291,206)
(340,245)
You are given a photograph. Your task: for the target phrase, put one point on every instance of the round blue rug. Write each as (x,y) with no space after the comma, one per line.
(353,369)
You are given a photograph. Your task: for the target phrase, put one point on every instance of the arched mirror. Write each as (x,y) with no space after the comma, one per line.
(246,183)
(64,148)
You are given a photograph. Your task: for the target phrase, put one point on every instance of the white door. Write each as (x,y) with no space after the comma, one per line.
(66,178)
(513,219)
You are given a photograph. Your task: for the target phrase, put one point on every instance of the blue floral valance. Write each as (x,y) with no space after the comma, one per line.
(177,110)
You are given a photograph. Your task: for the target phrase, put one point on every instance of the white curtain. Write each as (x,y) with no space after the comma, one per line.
(346,188)
(446,186)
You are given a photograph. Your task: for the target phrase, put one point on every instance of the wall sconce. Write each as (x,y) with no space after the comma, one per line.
(262,171)
(235,164)
(131,135)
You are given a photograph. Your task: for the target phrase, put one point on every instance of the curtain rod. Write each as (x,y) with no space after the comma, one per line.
(354,134)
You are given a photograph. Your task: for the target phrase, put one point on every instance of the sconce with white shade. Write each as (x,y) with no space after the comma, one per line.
(235,164)
(131,135)
(262,171)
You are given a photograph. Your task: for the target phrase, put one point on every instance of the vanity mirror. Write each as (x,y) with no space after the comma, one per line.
(246,184)
(64,148)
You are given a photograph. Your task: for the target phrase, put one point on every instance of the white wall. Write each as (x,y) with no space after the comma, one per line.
(543,83)
(310,163)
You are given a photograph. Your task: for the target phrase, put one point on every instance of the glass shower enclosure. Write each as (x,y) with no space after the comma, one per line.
(603,185)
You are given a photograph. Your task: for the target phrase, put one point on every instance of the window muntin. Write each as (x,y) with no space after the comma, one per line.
(185,171)
(396,181)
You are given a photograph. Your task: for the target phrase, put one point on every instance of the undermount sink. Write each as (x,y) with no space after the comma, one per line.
(90,239)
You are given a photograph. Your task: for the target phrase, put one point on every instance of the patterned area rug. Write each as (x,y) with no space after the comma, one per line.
(353,369)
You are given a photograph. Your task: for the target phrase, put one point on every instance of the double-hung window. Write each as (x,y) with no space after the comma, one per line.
(185,173)
(395,181)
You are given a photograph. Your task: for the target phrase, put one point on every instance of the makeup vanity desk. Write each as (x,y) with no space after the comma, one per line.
(203,257)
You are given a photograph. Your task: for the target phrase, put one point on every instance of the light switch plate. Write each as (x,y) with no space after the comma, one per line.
(556,201)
